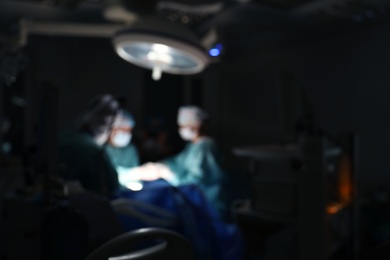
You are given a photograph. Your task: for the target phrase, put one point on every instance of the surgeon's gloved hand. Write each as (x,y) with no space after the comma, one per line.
(154,171)
(144,173)
(149,172)
(164,171)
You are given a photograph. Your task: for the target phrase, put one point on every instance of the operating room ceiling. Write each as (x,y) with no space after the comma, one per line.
(236,23)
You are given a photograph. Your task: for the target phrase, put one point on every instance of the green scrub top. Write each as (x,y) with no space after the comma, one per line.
(86,162)
(199,164)
(126,157)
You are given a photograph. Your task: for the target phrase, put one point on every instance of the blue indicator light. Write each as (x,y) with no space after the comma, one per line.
(214,52)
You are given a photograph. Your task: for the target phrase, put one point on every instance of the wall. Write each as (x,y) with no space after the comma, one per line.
(347,81)
(82,68)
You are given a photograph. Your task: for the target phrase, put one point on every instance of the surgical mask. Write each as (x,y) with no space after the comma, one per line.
(187,133)
(121,139)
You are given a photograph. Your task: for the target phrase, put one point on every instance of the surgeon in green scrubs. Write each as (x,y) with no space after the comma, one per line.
(199,162)
(81,152)
(123,154)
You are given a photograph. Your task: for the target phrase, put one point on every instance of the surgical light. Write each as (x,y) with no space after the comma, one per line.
(161,46)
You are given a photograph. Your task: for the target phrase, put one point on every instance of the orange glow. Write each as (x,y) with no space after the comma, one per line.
(345,186)
(333,208)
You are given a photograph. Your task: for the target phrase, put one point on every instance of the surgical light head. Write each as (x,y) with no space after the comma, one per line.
(161,46)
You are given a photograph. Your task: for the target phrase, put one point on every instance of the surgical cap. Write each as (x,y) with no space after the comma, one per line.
(124,119)
(191,116)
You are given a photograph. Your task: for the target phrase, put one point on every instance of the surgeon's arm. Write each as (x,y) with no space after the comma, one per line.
(107,175)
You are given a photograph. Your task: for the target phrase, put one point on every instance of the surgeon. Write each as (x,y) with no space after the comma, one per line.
(199,162)
(81,153)
(123,154)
